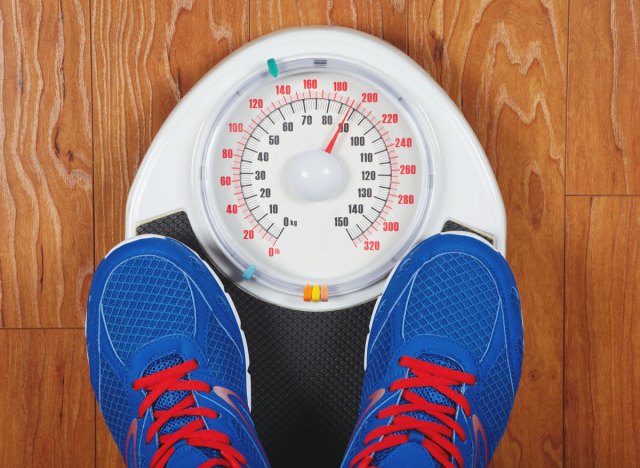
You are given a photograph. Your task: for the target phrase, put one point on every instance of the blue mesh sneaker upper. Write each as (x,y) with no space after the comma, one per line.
(444,357)
(168,360)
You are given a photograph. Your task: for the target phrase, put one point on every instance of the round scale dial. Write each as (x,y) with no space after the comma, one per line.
(316,173)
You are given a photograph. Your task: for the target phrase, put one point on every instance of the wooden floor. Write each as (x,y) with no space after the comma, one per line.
(551,88)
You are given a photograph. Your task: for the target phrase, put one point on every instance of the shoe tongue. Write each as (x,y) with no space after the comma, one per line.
(171,398)
(414,448)
(408,455)
(431,394)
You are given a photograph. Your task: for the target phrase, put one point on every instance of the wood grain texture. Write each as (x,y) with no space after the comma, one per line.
(146,56)
(602,343)
(603,152)
(504,63)
(46,215)
(79,76)
(46,409)
(383,18)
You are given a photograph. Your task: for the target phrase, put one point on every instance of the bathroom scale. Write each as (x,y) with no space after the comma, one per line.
(303,167)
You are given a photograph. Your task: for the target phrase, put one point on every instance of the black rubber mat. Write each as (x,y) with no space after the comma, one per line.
(306,368)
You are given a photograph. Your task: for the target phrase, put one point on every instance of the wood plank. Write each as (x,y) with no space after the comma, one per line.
(146,56)
(46,409)
(379,17)
(503,62)
(46,227)
(602,342)
(603,152)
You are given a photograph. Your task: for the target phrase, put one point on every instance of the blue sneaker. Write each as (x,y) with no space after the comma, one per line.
(444,357)
(168,360)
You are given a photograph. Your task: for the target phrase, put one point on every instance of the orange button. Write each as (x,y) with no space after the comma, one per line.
(306,294)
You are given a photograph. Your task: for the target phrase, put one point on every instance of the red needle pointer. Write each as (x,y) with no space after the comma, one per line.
(329,147)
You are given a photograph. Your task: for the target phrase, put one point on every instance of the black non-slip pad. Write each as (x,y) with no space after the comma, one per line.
(306,368)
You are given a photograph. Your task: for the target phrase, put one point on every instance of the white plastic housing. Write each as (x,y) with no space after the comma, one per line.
(464,188)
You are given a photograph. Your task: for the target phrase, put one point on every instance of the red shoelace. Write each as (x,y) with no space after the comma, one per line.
(193,433)
(437,434)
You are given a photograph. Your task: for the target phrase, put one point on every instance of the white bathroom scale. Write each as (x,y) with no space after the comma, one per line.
(303,167)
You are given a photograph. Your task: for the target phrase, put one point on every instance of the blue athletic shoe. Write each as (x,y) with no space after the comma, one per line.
(168,360)
(444,357)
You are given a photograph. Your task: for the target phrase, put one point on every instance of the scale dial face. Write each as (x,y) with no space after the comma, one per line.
(320,175)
